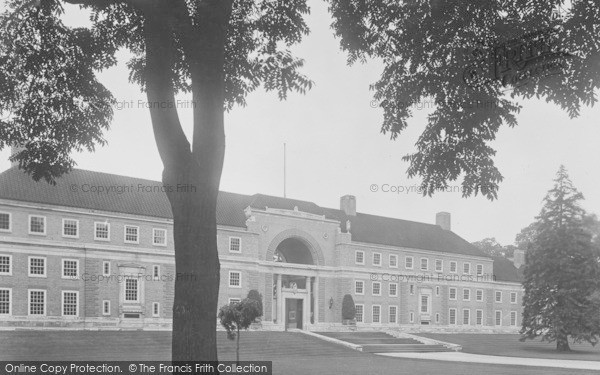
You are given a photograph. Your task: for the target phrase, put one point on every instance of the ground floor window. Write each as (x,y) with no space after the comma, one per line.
(393,314)
(105,307)
(466,316)
(498,317)
(513,318)
(412,317)
(5,301)
(452,316)
(69,303)
(155,309)
(479,317)
(37,302)
(131,290)
(359,313)
(376,314)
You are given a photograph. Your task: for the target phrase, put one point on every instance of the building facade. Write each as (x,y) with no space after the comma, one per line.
(95,251)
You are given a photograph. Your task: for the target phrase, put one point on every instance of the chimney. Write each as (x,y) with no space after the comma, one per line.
(13,151)
(443,220)
(519,258)
(348,204)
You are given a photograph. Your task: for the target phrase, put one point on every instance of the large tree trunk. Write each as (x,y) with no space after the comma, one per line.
(562,342)
(191,177)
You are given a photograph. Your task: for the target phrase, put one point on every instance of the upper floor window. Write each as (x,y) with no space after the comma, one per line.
(102,231)
(466,268)
(70,228)
(466,294)
(479,269)
(359,287)
(37,267)
(424,264)
(453,266)
(132,234)
(408,263)
(106,268)
(37,224)
(513,297)
(156,272)
(6,265)
(359,257)
(235,244)
(393,260)
(479,295)
(498,296)
(452,293)
(70,268)
(377,259)
(5,222)
(393,289)
(235,279)
(439,265)
(376,288)
(159,237)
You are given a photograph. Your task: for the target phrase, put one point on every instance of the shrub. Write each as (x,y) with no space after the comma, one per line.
(348,308)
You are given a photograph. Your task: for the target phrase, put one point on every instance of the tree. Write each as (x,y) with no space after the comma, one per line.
(221,50)
(237,316)
(348,307)
(254,294)
(562,276)
(489,246)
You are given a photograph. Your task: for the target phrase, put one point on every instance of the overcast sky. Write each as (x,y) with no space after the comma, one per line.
(334,146)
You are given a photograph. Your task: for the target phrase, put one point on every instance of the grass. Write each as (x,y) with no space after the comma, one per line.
(291,353)
(510,346)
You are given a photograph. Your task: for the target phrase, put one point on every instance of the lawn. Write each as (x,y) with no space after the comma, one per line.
(510,346)
(291,353)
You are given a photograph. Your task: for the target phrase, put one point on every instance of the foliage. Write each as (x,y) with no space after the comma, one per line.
(253,294)
(237,316)
(348,307)
(562,275)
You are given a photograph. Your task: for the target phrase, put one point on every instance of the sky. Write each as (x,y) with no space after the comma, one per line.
(335,147)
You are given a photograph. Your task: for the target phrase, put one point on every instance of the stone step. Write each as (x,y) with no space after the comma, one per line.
(404,348)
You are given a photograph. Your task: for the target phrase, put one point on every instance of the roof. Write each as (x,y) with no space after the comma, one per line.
(135,196)
(505,270)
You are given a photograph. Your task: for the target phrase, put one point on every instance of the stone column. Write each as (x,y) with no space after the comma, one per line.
(316,299)
(278,313)
(309,293)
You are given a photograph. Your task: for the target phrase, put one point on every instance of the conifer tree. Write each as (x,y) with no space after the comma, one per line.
(561,273)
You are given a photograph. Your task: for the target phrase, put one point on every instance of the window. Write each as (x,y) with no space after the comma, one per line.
(376,314)
(377,259)
(452,316)
(424,264)
(5,301)
(37,267)
(393,314)
(393,289)
(498,317)
(235,244)
(412,289)
(5,222)
(479,317)
(466,316)
(132,234)
(393,261)
(106,268)
(424,304)
(159,237)
(359,313)
(70,268)
(408,263)
(437,317)
(439,265)
(102,231)
(412,317)
(466,294)
(359,287)
(235,279)
(479,295)
(513,297)
(37,224)
(234,300)
(498,296)
(70,228)
(359,257)
(131,289)
(466,268)
(156,272)
(105,307)
(479,269)
(452,293)
(37,302)
(6,265)
(69,303)
(437,291)
(376,288)
(513,318)
(155,309)
(453,267)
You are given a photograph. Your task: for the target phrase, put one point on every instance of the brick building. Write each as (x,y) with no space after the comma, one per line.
(96,251)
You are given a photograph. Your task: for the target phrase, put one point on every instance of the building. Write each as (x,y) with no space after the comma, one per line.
(96,251)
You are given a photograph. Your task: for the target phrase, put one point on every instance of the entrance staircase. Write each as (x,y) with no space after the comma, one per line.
(381,342)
